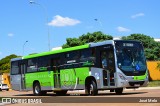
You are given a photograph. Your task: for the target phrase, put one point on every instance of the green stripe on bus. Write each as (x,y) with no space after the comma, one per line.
(142,77)
(56,51)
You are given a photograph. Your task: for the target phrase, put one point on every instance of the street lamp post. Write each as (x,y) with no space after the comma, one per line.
(43,7)
(23,46)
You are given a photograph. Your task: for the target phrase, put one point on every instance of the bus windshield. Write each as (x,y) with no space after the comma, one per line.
(130,56)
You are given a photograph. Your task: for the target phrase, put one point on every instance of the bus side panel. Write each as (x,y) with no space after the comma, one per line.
(74,78)
(44,78)
(16,82)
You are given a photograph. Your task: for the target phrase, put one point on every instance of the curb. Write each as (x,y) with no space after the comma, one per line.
(145,88)
(149,87)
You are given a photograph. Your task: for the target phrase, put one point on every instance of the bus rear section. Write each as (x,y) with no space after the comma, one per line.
(17,74)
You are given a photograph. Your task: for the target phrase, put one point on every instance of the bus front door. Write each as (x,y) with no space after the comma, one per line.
(56,71)
(108,64)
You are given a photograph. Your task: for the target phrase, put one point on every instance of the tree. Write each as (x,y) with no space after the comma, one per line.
(5,63)
(151,47)
(87,38)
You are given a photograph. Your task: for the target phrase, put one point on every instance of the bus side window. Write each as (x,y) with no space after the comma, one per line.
(43,62)
(88,55)
(74,55)
(32,65)
(15,68)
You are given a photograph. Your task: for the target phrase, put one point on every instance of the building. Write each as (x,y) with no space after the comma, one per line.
(5,79)
(157,40)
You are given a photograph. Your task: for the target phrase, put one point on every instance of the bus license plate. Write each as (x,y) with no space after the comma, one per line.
(136,85)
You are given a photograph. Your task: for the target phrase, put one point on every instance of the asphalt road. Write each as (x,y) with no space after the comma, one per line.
(140,97)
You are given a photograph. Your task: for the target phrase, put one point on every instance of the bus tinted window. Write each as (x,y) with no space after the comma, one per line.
(88,55)
(15,68)
(42,62)
(32,65)
(72,55)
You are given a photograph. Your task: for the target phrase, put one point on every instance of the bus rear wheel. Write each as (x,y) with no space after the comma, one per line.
(37,89)
(91,88)
(119,91)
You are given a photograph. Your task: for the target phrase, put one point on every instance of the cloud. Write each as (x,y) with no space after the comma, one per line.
(10,34)
(60,21)
(137,15)
(122,29)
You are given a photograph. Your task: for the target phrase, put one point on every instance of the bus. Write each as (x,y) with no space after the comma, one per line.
(109,65)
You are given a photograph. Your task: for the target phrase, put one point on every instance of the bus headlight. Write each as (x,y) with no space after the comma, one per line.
(121,76)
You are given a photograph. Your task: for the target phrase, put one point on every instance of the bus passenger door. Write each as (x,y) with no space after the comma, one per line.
(108,64)
(56,71)
(22,70)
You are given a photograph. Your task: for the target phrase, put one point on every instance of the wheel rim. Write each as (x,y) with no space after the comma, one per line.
(91,89)
(37,89)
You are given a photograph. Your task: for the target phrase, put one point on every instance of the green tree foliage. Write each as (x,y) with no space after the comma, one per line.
(5,63)
(152,48)
(87,38)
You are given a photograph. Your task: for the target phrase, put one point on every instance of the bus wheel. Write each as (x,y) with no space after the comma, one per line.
(91,88)
(37,89)
(119,91)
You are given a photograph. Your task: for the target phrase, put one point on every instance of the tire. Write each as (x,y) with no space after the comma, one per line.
(37,89)
(119,91)
(61,93)
(7,90)
(0,89)
(91,88)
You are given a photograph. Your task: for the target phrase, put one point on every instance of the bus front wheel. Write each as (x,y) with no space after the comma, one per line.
(91,88)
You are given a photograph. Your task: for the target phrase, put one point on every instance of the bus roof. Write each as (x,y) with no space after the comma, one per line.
(56,51)
(73,48)
(16,59)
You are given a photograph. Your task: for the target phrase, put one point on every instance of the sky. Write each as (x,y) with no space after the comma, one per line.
(26,25)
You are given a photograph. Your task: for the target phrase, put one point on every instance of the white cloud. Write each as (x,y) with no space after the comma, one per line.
(60,21)
(123,29)
(10,34)
(137,15)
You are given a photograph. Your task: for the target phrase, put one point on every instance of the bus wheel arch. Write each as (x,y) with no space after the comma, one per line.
(91,86)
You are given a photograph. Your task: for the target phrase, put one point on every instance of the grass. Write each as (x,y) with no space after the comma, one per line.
(154,83)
